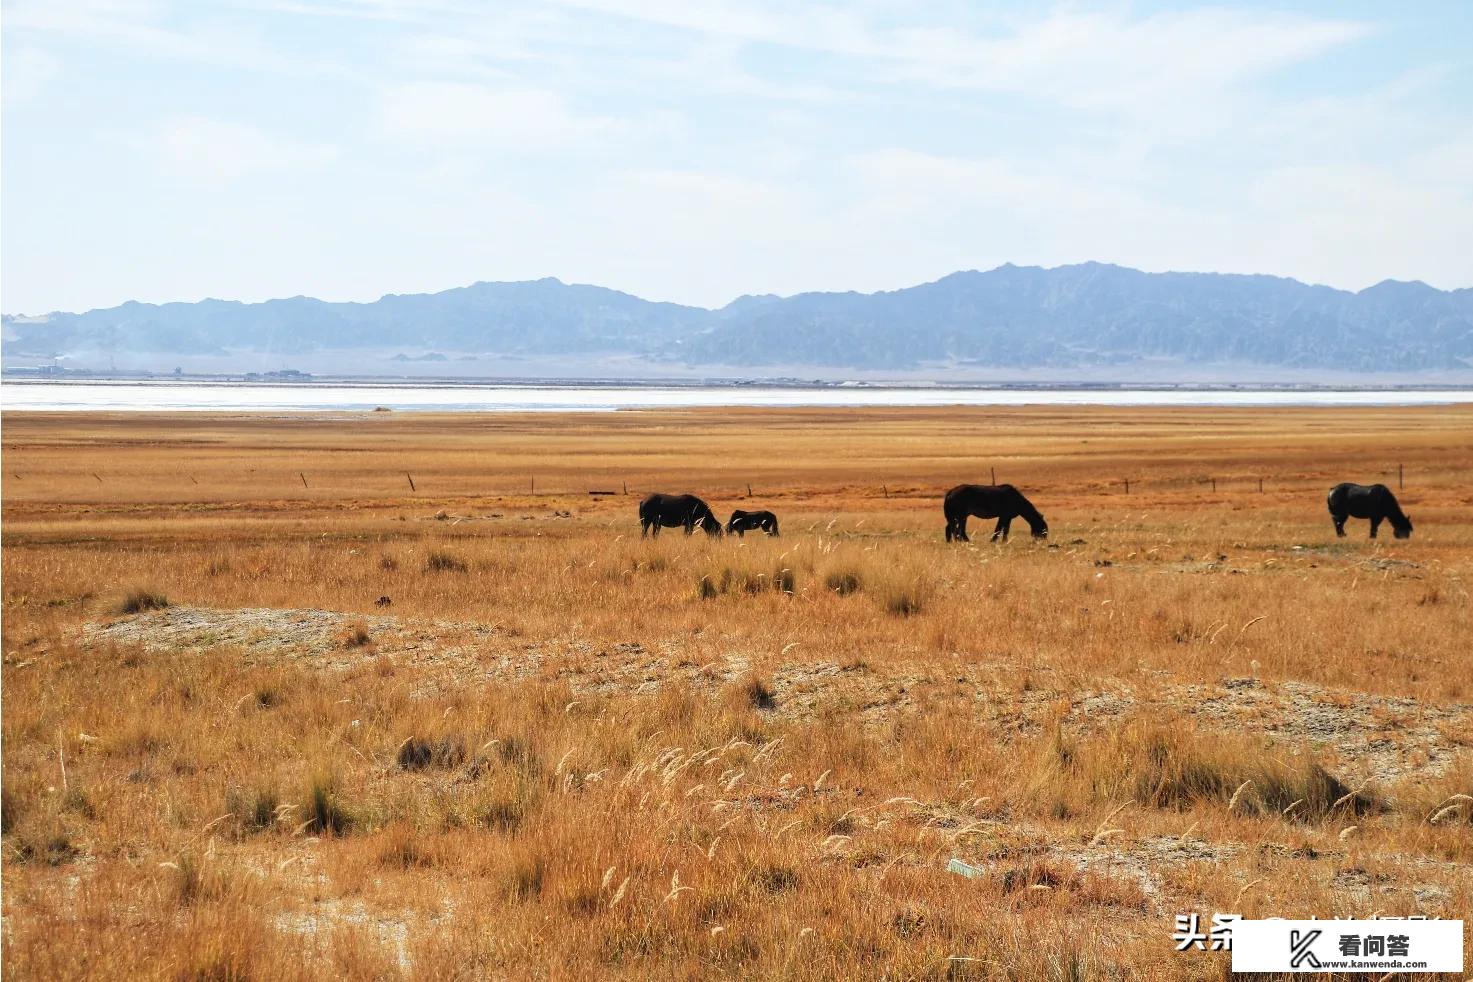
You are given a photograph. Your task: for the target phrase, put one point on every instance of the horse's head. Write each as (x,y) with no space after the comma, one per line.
(1040,531)
(711,526)
(1403,529)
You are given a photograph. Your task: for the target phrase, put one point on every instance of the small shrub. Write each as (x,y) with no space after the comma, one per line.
(188,880)
(52,846)
(902,601)
(325,812)
(842,581)
(388,563)
(755,692)
(76,800)
(902,593)
(398,848)
(1160,765)
(254,811)
(141,601)
(444,562)
(774,878)
(9,810)
(355,635)
(525,878)
(416,754)
(738,579)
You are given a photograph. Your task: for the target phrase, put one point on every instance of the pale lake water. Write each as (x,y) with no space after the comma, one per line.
(164,396)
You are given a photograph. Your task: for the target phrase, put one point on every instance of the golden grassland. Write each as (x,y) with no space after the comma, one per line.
(561,750)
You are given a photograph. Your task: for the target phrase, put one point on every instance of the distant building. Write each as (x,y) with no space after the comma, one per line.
(282,375)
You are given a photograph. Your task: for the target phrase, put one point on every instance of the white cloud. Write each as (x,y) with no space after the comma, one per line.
(1109,60)
(27,72)
(505,118)
(210,151)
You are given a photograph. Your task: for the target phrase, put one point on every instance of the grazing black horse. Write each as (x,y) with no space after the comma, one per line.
(1373,501)
(744,521)
(676,511)
(1000,501)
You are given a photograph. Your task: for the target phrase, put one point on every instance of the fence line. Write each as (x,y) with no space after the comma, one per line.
(1124,485)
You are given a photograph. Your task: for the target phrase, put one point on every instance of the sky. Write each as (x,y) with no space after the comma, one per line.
(697,150)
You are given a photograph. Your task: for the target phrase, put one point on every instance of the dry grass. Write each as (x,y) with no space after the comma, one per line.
(570,752)
(140,601)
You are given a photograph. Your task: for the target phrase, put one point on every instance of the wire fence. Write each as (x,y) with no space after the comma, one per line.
(317,484)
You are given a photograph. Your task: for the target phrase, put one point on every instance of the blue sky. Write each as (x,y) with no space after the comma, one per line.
(693,151)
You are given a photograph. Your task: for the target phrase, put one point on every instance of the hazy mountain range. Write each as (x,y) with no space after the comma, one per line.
(1079,318)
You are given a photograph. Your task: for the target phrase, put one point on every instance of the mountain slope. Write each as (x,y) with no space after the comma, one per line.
(1010,317)
(1098,314)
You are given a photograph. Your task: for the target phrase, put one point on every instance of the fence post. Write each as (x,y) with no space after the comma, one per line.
(1214,485)
(1260,485)
(994,476)
(1401,484)
(303,477)
(411,481)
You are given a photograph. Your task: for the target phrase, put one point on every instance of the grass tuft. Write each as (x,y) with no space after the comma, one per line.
(443,562)
(139,601)
(417,754)
(355,635)
(326,814)
(843,580)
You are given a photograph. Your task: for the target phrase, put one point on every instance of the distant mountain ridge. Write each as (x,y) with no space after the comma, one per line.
(1091,314)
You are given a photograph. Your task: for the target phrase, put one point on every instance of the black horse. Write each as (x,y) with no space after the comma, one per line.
(676,511)
(1373,501)
(743,522)
(1001,501)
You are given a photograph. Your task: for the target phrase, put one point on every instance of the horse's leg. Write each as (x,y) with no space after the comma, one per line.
(1000,531)
(1339,521)
(961,529)
(644,527)
(1375,523)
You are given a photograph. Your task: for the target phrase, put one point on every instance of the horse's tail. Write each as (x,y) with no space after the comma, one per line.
(952,506)
(773,519)
(1336,500)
